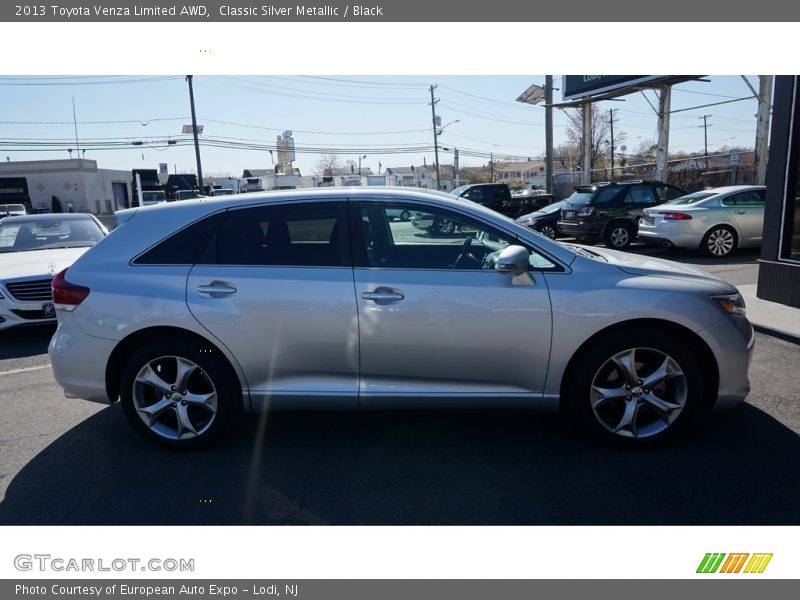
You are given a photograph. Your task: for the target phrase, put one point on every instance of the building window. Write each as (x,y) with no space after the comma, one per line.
(793,213)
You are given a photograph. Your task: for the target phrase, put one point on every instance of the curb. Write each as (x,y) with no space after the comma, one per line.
(783,335)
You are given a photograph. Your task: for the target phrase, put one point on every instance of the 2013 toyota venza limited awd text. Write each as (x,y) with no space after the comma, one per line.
(193,312)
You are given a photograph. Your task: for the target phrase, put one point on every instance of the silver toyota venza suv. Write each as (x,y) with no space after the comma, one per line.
(193,312)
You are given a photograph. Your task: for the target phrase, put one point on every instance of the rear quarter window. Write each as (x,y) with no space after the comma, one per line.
(183,247)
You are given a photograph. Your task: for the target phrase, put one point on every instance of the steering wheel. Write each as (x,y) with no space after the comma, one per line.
(464,255)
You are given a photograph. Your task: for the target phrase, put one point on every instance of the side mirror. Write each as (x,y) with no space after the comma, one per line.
(513,260)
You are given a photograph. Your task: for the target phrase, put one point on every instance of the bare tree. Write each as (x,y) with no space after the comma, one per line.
(600,144)
(327,164)
(568,156)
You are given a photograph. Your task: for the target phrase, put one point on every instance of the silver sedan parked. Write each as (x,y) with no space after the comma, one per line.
(717,221)
(192,312)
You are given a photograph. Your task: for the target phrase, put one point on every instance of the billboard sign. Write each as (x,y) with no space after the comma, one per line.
(581,86)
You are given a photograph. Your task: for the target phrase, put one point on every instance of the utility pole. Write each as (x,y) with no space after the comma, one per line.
(662,152)
(611,122)
(586,175)
(196,140)
(705,135)
(75,121)
(435,135)
(455,168)
(491,167)
(762,130)
(548,133)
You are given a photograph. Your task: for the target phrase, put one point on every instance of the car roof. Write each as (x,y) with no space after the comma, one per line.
(727,189)
(48,217)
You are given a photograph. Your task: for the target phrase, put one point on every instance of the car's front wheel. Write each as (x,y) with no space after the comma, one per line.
(179,395)
(548,230)
(635,388)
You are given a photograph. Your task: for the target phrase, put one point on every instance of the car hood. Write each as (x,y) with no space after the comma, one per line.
(37,262)
(637,264)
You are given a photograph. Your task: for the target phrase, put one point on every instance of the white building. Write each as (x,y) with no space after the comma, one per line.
(76,184)
(421,176)
(530,172)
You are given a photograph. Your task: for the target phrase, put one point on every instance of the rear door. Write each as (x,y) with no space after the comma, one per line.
(275,285)
(747,211)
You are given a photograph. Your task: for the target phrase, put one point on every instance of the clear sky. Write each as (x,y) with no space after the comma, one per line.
(386,118)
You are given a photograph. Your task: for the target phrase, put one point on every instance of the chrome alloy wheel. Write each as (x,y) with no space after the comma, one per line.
(175,398)
(638,393)
(720,242)
(620,237)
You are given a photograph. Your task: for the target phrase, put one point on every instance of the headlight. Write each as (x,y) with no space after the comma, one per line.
(733,304)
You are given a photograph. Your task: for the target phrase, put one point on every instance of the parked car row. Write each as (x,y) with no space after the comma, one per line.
(716,221)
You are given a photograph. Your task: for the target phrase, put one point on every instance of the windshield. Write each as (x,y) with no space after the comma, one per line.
(692,198)
(150,196)
(580,198)
(459,190)
(42,234)
(225,192)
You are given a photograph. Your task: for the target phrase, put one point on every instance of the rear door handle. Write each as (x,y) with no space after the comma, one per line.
(216,289)
(383,295)
(741,212)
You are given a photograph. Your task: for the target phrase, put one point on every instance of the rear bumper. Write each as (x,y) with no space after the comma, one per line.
(672,238)
(79,360)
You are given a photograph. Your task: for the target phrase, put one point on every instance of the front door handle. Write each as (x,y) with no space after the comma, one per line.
(380,295)
(216,289)
(741,212)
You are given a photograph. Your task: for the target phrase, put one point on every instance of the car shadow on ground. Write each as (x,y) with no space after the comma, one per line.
(22,342)
(432,468)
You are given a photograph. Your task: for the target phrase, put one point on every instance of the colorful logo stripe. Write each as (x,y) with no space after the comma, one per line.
(713,562)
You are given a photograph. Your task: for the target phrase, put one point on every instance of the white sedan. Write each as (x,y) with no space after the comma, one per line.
(717,221)
(33,248)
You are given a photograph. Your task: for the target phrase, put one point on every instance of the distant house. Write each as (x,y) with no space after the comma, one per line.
(530,172)
(414,176)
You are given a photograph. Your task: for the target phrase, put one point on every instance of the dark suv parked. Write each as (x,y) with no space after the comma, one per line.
(498,197)
(610,211)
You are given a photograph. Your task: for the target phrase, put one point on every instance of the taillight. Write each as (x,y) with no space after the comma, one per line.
(676,216)
(66,295)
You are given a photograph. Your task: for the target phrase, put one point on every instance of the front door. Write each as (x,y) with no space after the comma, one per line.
(438,325)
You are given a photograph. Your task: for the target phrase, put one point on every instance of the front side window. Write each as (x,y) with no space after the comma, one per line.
(309,234)
(432,239)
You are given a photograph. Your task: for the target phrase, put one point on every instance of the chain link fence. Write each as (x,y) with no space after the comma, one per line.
(691,174)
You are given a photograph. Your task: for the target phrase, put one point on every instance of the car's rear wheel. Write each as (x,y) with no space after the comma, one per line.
(719,241)
(619,236)
(405,216)
(178,395)
(548,230)
(636,388)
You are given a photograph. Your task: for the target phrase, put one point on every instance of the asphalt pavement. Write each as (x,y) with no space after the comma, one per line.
(66,461)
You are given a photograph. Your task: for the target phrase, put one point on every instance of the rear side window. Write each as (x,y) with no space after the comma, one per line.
(641,194)
(183,247)
(749,198)
(608,196)
(309,234)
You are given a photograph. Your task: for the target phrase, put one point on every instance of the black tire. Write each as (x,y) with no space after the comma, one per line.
(595,369)
(719,241)
(447,227)
(212,369)
(547,230)
(619,235)
(405,216)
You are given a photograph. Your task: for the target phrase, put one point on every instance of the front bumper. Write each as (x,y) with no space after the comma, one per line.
(14,314)
(733,350)
(580,229)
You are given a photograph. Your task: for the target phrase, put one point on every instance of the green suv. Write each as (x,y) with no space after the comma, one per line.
(610,211)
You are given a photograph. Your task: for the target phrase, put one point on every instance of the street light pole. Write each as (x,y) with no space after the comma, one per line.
(196,140)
